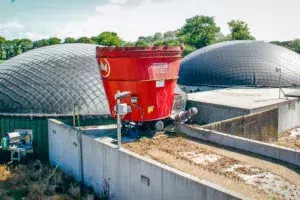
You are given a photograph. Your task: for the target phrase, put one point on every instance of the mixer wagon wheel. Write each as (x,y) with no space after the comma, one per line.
(159,125)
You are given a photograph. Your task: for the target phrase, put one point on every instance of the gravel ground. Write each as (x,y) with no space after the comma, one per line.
(242,174)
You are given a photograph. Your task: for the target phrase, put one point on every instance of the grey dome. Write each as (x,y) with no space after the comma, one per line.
(247,63)
(50,80)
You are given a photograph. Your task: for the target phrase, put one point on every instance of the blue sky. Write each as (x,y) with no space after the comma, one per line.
(36,19)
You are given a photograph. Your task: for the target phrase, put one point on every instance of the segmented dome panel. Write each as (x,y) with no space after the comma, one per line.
(50,80)
(247,63)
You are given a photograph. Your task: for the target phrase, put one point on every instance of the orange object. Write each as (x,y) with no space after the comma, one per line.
(149,73)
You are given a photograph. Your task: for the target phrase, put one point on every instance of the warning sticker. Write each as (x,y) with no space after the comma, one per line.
(162,68)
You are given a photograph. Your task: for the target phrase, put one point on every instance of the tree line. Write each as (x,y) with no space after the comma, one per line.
(293,45)
(197,32)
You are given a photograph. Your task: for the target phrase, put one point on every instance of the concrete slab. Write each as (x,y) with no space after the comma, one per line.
(245,98)
(293,94)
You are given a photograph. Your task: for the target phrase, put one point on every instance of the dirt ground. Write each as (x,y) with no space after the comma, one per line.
(245,174)
(290,139)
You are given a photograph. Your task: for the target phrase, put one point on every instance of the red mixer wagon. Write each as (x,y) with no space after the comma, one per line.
(150,75)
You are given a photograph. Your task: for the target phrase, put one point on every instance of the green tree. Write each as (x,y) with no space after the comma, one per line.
(220,37)
(8,49)
(144,41)
(70,40)
(40,43)
(199,31)
(170,42)
(128,44)
(2,52)
(15,48)
(54,40)
(109,39)
(188,49)
(157,37)
(170,35)
(285,44)
(25,45)
(2,40)
(85,40)
(94,38)
(240,30)
(141,43)
(295,45)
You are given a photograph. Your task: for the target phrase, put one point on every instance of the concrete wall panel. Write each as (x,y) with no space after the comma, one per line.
(179,187)
(210,113)
(262,126)
(93,162)
(289,116)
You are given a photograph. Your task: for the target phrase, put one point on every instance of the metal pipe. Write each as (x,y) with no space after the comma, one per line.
(186,115)
(74,121)
(279,82)
(278,70)
(118,123)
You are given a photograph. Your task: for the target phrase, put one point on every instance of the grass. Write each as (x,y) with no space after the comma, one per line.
(36,181)
(2,61)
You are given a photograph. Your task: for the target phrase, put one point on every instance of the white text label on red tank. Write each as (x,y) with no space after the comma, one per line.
(160,83)
(161,67)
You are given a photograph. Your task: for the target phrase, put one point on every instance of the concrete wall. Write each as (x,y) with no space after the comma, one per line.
(128,173)
(288,113)
(273,151)
(210,113)
(64,148)
(262,126)
(289,116)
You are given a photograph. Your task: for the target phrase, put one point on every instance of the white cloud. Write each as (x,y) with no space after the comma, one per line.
(130,19)
(107,9)
(35,36)
(118,1)
(11,25)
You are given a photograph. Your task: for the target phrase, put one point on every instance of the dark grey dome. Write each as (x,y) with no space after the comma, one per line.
(247,63)
(50,80)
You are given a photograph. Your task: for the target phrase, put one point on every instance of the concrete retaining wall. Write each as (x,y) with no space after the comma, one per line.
(269,150)
(289,116)
(130,175)
(210,113)
(262,126)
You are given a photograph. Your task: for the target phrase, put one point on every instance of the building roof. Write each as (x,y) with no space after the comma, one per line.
(236,63)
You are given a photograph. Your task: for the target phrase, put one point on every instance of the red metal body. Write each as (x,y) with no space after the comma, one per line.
(149,73)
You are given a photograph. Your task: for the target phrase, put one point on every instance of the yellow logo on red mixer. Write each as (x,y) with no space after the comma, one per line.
(150,109)
(104,67)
